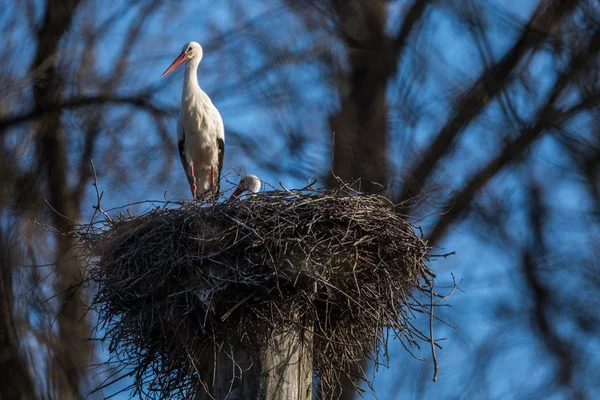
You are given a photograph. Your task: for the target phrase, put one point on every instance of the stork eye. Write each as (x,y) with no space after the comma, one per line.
(189,50)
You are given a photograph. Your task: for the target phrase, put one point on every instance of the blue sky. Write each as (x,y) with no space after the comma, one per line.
(487,270)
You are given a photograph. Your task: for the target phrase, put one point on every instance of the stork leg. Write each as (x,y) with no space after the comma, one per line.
(194,187)
(212,179)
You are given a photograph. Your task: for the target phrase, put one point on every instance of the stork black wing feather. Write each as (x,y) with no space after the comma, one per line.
(186,167)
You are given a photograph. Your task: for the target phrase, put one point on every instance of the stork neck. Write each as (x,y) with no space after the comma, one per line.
(190,80)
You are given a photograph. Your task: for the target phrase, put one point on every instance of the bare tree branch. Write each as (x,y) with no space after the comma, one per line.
(15,379)
(141,101)
(70,358)
(488,86)
(547,117)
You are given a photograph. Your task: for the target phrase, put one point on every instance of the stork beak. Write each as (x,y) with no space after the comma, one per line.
(236,193)
(178,61)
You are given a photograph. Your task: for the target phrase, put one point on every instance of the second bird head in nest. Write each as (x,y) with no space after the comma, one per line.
(248,183)
(191,52)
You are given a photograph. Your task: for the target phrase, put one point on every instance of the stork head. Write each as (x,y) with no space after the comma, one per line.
(249,183)
(191,51)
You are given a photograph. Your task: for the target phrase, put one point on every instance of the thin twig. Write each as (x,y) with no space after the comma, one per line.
(432,339)
(99,195)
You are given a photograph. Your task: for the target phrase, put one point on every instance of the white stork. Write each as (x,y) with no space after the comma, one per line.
(249,183)
(200,132)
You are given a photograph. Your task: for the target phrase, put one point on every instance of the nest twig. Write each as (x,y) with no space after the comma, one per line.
(174,281)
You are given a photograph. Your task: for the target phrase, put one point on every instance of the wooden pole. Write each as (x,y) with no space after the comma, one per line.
(278,369)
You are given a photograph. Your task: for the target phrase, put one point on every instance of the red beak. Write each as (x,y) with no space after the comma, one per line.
(236,193)
(178,61)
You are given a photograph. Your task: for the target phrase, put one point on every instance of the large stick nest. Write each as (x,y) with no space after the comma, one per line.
(173,282)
